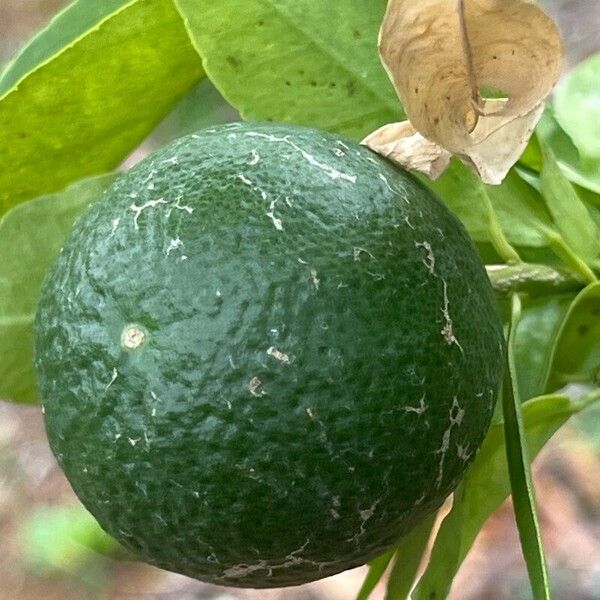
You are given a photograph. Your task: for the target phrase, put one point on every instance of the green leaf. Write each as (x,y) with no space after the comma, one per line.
(535,338)
(31,235)
(64,29)
(59,539)
(485,486)
(283,60)
(567,157)
(88,104)
(577,108)
(570,214)
(407,560)
(513,207)
(377,568)
(519,469)
(576,354)
(202,107)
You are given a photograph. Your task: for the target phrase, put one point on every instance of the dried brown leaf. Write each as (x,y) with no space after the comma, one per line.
(443,57)
(403,144)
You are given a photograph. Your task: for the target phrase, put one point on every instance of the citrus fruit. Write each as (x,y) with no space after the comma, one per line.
(264,354)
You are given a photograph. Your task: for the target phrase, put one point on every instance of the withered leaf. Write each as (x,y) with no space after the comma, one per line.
(472,76)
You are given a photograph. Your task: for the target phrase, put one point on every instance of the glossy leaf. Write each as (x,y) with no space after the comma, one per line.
(485,486)
(570,214)
(31,235)
(577,108)
(519,469)
(283,60)
(576,354)
(85,107)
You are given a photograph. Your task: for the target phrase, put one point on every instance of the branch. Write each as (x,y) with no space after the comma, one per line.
(531,279)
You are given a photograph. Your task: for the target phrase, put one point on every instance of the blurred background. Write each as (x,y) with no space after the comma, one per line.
(50,548)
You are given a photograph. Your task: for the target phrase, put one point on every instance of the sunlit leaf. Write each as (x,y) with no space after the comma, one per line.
(101,88)
(298,61)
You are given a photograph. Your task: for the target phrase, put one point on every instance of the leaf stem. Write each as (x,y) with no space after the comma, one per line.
(558,245)
(531,279)
(498,240)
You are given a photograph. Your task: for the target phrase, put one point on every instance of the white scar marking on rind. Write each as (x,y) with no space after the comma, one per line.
(419,410)
(114,224)
(447,331)
(170,161)
(358,251)
(133,442)
(174,245)
(277,354)
(316,281)
(339,152)
(408,222)
(365,515)
(463,452)
(376,276)
(271,214)
(391,189)
(254,385)
(115,374)
(429,260)
(292,559)
(244,179)
(138,209)
(255,158)
(327,169)
(185,207)
(455,419)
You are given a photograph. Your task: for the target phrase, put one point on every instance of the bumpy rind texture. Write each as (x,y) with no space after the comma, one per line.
(265,354)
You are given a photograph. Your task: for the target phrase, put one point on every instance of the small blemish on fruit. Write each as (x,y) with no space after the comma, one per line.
(132,337)
(278,355)
(254,386)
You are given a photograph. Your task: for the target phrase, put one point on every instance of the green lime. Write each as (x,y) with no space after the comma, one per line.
(265,354)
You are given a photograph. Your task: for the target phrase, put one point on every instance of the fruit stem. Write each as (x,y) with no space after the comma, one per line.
(531,279)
